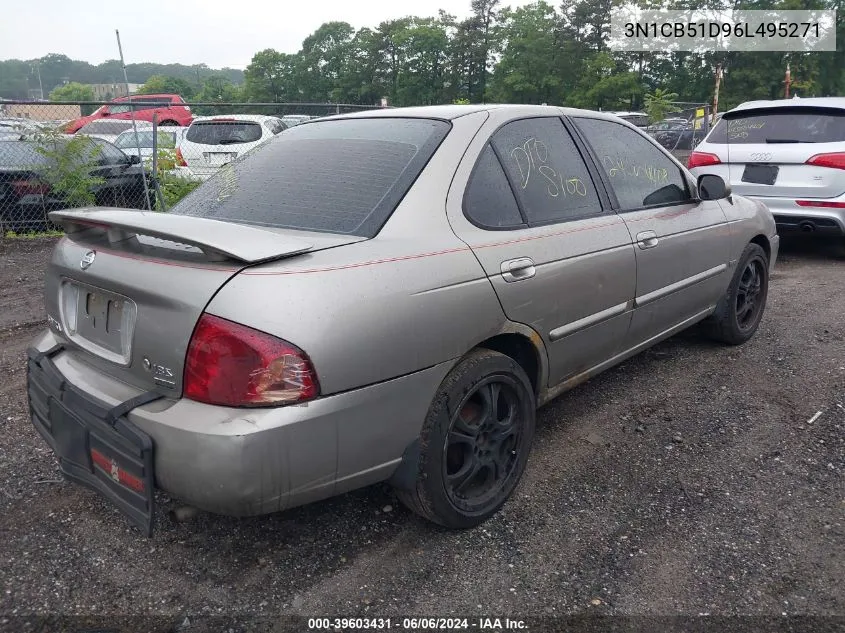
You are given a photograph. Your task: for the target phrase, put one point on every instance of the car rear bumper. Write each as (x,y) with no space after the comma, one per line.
(245,462)
(792,218)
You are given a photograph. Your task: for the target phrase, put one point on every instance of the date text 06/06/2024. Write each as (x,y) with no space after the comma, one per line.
(417,624)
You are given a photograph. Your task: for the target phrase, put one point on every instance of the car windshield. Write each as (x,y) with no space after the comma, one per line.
(166,140)
(343,176)
(784,125)
(105,127)
(223,132)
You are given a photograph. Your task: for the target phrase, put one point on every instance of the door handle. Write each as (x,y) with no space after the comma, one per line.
(647,239)
(518,269)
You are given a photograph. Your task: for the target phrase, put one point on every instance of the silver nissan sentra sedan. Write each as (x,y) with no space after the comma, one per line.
(379,296)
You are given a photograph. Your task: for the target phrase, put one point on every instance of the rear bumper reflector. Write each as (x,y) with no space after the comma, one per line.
(821,203)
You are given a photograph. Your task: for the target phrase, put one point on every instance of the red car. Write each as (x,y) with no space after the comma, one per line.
(171,110)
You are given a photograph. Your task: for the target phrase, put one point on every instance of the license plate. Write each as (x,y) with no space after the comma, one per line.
(101,318)
(218,159)
(760,174)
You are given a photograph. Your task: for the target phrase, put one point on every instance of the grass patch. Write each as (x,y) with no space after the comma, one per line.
(33,235)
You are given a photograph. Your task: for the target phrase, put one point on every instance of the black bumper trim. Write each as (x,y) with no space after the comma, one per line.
(73,423)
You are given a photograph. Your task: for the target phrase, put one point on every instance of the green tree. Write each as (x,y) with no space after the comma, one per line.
(218,88)
(527,69)
(323,60)
(163,84)
(72,91)
(270,77)
(659,103)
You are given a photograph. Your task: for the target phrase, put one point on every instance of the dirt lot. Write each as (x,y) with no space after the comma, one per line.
(688,480)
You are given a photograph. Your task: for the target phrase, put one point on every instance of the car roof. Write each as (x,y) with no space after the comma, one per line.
(258,118)
(137,97)
(810,102)
(450,112)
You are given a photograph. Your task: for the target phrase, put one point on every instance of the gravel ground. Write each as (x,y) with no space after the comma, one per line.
(688,480)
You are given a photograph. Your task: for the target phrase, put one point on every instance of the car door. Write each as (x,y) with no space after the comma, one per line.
(560,261)
(682,243)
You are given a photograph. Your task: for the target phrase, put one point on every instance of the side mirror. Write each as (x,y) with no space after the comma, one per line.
(134,159)
(105,113)
(712,187)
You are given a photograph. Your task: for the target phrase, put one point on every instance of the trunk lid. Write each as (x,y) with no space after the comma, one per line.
(766,150)
(126,288)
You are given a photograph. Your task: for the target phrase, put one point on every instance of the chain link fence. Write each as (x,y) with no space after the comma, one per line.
(146,154)
(682,130)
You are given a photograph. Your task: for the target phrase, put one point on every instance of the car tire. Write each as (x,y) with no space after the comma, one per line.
(168,123)
(474,443)
(740,310)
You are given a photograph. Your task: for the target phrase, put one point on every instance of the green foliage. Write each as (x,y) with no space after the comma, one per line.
(72,91)
(659,103)
(33,235)
(165,84)
(174,188)
(69,166)
(18,76)
(536,53)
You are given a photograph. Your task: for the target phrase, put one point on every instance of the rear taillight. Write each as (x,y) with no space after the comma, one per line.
(180,160)
(826,204)
(836,160)
(702,159)
(233,365)
(28,187)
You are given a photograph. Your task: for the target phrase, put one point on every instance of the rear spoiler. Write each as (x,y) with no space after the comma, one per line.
(216,239)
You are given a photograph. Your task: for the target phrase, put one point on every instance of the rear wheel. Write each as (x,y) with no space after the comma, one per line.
(168,122)
(475,441)
(739,312)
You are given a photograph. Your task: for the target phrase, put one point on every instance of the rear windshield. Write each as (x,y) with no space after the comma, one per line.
(804,125)
(223,132)
(344,176)
(145,140)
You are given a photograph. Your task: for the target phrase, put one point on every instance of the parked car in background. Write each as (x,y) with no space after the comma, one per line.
(16,125)
(387,295)
(109,130)
(638,119)
(26,195)
(788,154)
(295,119)
(167,138)
(171,110)
(214,141)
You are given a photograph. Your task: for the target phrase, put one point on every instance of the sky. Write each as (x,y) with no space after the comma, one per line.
(212,32)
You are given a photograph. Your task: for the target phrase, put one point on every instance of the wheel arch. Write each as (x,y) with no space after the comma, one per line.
(763,242)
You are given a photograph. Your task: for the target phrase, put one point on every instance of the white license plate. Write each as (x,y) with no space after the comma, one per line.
(218,159)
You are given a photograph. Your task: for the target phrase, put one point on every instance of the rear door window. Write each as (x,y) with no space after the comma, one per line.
(489,201)
(224,132)
(784,125)
(546,171)
(639,173)
(343,176)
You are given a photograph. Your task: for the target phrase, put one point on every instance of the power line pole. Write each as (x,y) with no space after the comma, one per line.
(37,66)
(787,82)
(134,125)
(716,91)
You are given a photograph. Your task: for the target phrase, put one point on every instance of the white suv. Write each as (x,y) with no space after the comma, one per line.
(214,141)
(788,154)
